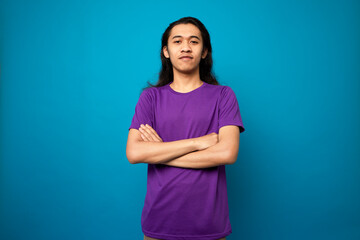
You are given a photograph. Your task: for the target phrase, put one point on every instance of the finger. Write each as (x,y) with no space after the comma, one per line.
(154,132)
(149,134)
(143,137)
(145,134)
(154,135)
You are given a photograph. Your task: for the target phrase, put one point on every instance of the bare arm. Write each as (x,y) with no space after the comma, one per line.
(223,152)
(155,151)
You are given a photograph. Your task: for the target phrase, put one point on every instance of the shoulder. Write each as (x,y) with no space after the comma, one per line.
(228,92)
(219,87)
(153,90)
(146,96)
(149,92)
(223,91)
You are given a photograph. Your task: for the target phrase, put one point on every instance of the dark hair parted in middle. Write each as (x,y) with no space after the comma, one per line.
(166,74)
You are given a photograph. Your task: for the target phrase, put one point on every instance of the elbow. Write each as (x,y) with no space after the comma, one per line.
(230,157)
(132,155)
(231,161)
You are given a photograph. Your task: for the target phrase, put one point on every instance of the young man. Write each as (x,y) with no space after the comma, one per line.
(186,128)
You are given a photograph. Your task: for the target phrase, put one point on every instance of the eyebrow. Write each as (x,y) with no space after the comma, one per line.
(193,36)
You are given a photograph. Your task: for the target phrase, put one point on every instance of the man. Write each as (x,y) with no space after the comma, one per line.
(186,128)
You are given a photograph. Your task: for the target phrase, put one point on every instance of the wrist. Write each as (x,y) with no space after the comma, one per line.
(194,144)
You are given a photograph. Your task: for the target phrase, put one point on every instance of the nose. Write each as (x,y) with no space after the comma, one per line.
(185,47)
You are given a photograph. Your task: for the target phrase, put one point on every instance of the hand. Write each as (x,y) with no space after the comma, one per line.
(148,134)
(206,141)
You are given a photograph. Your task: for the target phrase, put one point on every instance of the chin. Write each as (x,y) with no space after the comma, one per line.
(186,70)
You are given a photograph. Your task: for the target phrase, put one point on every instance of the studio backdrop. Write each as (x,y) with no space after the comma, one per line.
(72,72)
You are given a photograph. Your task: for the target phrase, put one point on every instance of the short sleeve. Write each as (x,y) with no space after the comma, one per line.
(229,111)
(144,113)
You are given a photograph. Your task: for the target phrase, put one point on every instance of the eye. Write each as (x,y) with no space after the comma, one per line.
(194,41)
(176,41)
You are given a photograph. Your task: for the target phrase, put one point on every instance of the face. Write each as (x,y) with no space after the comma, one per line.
(185,48)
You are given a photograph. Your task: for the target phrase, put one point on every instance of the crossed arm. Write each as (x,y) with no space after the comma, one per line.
(145,146)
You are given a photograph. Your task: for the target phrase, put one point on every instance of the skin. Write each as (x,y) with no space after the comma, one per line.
(225,151)
(185,40)
(148,134)
(145,145)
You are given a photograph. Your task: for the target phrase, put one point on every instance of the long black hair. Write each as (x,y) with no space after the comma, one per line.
(166,74)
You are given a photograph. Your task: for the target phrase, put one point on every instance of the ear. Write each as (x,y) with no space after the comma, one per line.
(165,51)
(204,54)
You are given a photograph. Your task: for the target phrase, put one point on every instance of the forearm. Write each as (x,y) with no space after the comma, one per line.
(213,156)
(160,152)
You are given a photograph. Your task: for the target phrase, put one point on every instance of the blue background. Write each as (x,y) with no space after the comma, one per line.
(72,72)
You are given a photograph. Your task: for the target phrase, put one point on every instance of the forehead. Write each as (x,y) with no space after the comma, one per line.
(185,30)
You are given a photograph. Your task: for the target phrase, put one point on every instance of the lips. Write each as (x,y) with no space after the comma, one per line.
(186,57)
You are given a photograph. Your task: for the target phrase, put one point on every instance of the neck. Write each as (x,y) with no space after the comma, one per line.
(186,81)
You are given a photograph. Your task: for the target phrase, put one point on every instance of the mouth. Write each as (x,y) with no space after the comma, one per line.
(186,58)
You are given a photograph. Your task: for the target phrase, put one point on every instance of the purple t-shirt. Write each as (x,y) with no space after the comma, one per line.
(186,203)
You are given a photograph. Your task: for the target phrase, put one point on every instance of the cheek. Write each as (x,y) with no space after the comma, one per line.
(174,50)
(173,54)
